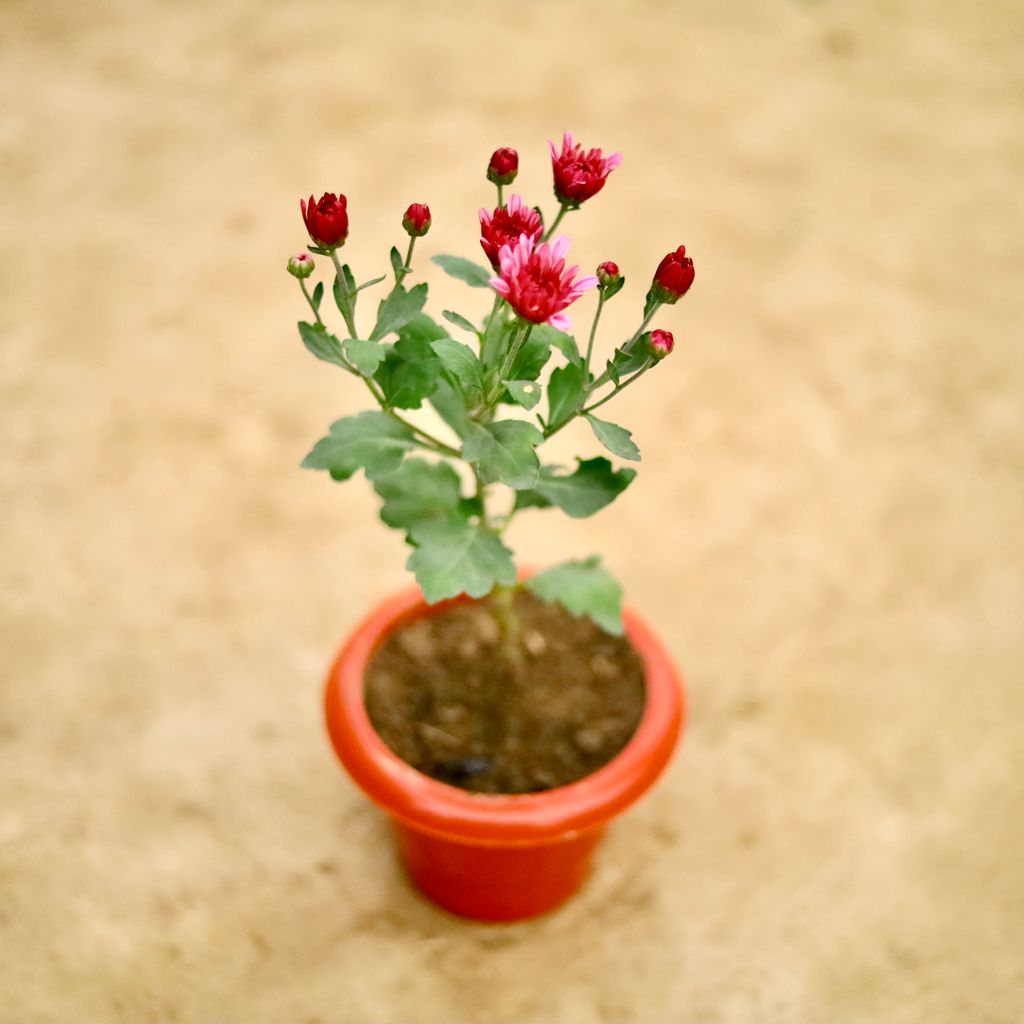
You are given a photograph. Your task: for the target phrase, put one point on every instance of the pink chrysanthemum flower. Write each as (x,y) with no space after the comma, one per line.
(505,225)
(535,282)
(578,174)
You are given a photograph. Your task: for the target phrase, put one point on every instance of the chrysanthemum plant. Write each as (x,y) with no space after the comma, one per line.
(502,387)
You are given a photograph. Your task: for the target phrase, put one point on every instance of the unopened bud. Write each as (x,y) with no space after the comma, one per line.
(301,266)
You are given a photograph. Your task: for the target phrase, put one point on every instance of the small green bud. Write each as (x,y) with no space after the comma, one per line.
(301,266)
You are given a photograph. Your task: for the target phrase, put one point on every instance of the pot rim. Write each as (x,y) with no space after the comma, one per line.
(428,805)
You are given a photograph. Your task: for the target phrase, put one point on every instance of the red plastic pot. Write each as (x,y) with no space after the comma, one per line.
(496,858)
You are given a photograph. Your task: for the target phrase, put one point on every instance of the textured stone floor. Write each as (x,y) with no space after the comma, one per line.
(827,529)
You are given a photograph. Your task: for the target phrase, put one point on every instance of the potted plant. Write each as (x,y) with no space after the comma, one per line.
(500,717)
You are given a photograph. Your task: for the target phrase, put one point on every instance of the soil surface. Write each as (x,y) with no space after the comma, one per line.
(447,698)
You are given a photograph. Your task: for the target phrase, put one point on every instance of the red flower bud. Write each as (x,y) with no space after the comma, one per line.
(504,166)
(661,343)
(505,225)
(327,220)
(674,276)
(608,273)
(579,174)
(417,219)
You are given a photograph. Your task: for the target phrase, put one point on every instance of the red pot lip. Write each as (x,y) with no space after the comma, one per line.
(423,803)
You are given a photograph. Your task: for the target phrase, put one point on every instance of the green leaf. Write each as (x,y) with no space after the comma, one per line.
(340,299)
(398,309)
(459,320)
(450,406)
(626,361)
(457,557)
(318,295)
(616,439)
(370,283)
(371,441)
(524,392)
(465,270)
(418,491)
(365,356)
(322,344)
(350,279)
(585,588)
(505,452)
(532,357)
(411,371)
(565,343)
(397,263)
(565,392)
(593,485)
(462,365)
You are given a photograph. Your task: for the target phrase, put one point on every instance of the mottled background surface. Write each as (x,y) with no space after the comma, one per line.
(827,530)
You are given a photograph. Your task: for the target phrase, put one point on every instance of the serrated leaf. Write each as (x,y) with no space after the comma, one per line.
(462,365)
(371,441)
(398,309)
(457,557)
(450,406)
(459,320)
(419,491)
(365,356)
(526,393)
(504,451)
(584,587)
(322,344)
(411,371)
(589,489)
(464,270)
(565,343)
(616,439)
(565,392)
(318,295)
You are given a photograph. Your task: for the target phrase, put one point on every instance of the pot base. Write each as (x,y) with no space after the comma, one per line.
(509,884)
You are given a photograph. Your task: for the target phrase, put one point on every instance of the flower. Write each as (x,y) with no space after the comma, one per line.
(579,175)
(673,277)
(535,282)
(661,343)
(505,225)
(417,219)
(608,273)
(301,266)
(327,220)
(504,166)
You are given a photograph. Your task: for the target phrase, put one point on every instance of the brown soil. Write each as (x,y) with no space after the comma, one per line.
(445,698)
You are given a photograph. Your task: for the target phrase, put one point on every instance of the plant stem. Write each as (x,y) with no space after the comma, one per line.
(504,598)
(501,191)
(593,332)
(514,348)
(492,320)
(407,265)
(562,211)
(427,440)
(305,291)
(554,428)
(348,313)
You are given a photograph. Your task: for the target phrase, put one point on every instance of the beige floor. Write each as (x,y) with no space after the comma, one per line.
(827,529)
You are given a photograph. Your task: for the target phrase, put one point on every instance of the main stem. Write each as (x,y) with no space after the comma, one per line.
(562,211)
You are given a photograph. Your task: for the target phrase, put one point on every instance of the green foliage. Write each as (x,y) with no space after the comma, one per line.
(465,270)
(627,359)
(565,392)
(526,393)
(322,343)
(589,489)
(398,309)
(585,588)
(318,296)
(532,357)
(464,369)
(455,557)
(451,407)
(618,440)
(459,321)
(419,491)
(504,452)
(565,343)
(371,441)
(411,371)
(365,356)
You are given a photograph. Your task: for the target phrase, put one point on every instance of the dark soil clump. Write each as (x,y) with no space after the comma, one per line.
(444,697)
